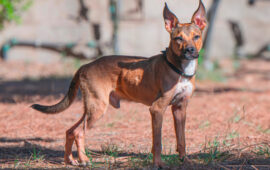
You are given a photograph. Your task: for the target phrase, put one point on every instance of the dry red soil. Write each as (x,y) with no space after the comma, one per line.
(236,111)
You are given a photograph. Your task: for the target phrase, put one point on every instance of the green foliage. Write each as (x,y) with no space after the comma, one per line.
(110,124)
(204,124)
(144,160)
(213,152)
(16,163)
(10,10)
(260,129)
(36,156)
(172,159)
(110,150)
(263,150)
(200,59)
(205,74)
(236,118)
(233,134)
(88,154)
(215,75)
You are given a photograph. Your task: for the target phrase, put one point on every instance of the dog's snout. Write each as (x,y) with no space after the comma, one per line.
(190,50)
(190,53)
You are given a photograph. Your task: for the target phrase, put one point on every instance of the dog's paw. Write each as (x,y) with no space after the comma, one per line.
(85,164)
(72,162)
(69,160)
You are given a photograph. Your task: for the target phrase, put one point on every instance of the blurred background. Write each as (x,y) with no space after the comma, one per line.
(133,27)
(43,43)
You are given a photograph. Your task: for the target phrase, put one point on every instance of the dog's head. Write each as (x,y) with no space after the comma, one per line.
(186,38)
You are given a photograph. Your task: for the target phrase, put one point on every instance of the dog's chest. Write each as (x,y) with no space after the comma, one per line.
(183,90)
(184,87)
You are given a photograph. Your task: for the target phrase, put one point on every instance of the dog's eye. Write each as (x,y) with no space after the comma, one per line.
(178,38)
(196,37)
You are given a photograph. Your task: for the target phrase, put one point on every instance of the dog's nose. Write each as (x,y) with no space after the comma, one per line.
(190,50)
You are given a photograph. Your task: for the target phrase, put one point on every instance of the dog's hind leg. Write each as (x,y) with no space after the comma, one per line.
(70,137)
(94,107)
(95,104)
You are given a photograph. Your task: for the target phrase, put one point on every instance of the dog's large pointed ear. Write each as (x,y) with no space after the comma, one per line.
(170,19)
(199,16)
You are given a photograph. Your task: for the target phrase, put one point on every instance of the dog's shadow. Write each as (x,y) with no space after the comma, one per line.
(14,91)
(12,154)
(26,151)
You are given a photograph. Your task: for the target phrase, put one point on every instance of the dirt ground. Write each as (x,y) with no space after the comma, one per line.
(227,127)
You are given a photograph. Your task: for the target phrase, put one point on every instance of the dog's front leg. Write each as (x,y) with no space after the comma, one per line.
(179,114)
(157,110)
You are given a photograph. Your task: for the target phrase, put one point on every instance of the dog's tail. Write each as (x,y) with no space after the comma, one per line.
(65,102)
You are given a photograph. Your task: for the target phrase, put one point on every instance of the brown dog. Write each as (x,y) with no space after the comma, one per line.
(160,81)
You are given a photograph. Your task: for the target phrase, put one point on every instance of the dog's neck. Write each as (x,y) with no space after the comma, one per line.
(187,67)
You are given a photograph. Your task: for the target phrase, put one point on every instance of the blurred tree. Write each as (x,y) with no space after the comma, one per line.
(11,10)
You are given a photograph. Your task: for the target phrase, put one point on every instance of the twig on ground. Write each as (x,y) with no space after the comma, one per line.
(229,89)
(254,167)
(224,167)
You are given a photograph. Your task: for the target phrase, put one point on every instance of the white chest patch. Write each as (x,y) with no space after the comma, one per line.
(183,89)
(189,66)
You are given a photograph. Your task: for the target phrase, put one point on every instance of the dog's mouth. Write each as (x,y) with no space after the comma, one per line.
(190,57)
